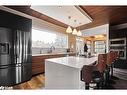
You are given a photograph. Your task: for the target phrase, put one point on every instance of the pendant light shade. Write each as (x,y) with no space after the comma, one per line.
(74,32)
(68,30)
(79,33)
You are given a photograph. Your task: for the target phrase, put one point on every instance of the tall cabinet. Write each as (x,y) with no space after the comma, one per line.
(118,42)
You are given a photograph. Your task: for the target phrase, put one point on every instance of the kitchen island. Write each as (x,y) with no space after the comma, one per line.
(64,72)
(38,61)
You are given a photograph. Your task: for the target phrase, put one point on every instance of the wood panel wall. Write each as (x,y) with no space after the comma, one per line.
(72,42)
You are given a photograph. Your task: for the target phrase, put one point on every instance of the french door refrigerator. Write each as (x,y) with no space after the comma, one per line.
(15,56)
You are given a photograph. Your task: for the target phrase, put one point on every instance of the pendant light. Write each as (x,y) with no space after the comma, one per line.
(69,29)
(79,33)
(74,30)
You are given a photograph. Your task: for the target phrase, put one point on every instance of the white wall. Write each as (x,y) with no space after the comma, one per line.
(103,29)
(43,25)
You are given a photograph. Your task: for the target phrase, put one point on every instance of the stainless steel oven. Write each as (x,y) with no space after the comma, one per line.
(119,45)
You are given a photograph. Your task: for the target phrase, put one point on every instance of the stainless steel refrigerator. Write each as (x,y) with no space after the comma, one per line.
(15,56)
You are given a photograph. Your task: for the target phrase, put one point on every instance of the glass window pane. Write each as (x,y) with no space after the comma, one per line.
(45,40)
(100,46)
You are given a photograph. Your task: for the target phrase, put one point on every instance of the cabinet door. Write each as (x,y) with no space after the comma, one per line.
(38,64)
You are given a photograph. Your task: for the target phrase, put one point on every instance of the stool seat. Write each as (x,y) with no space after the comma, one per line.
(94,73)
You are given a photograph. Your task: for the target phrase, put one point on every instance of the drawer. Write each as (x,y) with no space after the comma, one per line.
(37,71)
(38,58)
(35,65)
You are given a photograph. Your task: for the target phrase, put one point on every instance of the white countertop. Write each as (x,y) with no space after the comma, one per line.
(72,61)
(45,54)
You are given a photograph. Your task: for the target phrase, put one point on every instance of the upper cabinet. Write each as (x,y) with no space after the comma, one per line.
(14,21)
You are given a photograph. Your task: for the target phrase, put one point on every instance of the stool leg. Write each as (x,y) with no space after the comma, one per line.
(86,86)
(98,85)
(113,77)
(112,70)
(107,77)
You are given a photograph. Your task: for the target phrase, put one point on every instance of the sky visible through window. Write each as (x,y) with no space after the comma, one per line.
(46,37)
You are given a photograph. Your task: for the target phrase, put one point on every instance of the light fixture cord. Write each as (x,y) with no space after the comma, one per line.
(69,17)
(75,23)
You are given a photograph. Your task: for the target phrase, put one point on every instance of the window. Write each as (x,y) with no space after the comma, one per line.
(43,41)
(88,45)
(100,47)
(79,45)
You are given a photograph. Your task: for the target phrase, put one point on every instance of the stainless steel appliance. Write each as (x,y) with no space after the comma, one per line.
(118,44)
(15,56)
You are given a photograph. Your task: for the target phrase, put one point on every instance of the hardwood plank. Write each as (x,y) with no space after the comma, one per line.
(37,82)
(105,14)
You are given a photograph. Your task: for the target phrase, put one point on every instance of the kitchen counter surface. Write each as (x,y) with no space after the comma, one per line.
(52,54)
(72,61)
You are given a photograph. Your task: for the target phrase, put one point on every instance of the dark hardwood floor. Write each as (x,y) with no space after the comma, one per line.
(38,82)
(120,84)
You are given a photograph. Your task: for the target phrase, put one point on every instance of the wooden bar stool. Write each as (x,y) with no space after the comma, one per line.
(116,57)
(94,73)
(109,64)
(111,58)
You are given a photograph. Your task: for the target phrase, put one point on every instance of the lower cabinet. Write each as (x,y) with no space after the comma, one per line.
(38,68)
(38,62)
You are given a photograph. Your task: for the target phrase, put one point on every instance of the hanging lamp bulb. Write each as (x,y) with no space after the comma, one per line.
(79,33)
(68,30)
(74,32)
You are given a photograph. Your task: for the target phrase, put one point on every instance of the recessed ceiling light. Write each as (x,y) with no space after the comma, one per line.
(59,6)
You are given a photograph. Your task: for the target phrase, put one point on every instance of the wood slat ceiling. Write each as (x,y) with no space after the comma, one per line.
(100,14)
(105,14)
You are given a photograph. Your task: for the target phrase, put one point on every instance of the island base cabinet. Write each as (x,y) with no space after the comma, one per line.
(59,76)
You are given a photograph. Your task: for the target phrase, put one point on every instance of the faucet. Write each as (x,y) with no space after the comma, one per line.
(51,49)
(41,49)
